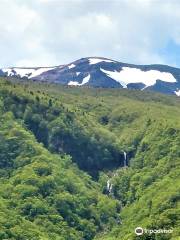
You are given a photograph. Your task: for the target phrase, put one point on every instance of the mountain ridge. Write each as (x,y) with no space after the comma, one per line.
(105,73)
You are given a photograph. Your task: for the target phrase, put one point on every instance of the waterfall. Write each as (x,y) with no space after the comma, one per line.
(125,159)
(109,186)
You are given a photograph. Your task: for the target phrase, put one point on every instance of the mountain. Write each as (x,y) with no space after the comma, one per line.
(104,73)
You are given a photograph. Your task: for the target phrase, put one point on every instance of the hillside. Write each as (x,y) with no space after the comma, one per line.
(61,145)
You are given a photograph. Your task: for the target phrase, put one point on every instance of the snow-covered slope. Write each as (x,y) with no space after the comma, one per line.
(84,81)
(177,92)
(25,72)
(134,75)
(106,73)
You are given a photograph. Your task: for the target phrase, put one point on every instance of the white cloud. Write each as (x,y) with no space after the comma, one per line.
(45,32)
(103,21)
(42,60)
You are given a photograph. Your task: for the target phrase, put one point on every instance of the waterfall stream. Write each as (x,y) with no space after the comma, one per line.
(109,186)
(125,159)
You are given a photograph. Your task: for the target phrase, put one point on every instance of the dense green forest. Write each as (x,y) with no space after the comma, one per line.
(60,146)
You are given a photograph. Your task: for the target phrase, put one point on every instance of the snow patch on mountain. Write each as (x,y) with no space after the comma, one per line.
(116,76)
(84,81)
(39,71)
(98,60)
(177,92)
(134,75)
(22,72)
(8,71)
(26,72)
(71,66)
(73,83)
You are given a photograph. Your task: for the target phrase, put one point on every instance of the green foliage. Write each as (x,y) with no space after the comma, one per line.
(59,202)
(44,133)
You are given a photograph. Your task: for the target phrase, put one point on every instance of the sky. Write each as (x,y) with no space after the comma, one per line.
(54,32)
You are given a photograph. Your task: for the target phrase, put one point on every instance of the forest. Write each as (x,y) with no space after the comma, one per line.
(82,163)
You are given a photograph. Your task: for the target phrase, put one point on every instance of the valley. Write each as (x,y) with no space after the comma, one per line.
(80,163)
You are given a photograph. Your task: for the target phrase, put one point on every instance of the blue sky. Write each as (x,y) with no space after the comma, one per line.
(53,32)
(171,52)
